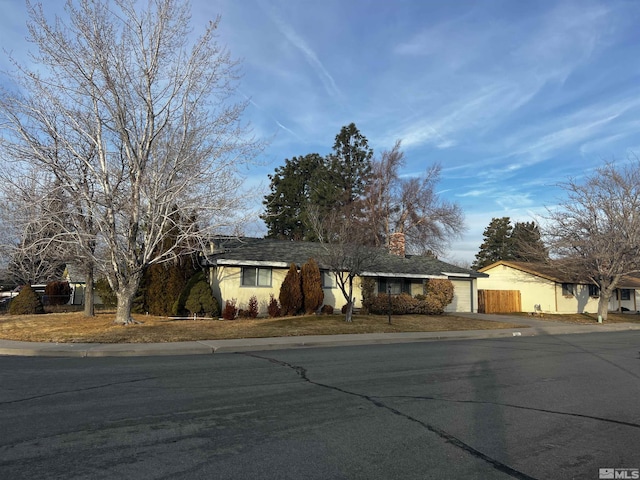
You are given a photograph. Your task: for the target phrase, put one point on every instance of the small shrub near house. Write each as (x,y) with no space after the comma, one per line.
(201,301)
(230,311)
(27,302)
(273,308)
(252,308)
(57,293)
(326,310)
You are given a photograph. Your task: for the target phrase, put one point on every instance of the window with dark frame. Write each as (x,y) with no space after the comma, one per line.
(256,277)
(328,279)
(568,289)
(625,294)
(594,291)
(398,285)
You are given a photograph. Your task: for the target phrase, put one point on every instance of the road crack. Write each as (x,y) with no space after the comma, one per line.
(453,440)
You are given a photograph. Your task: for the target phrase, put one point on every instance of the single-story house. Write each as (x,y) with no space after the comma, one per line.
(240,268)
(544,288)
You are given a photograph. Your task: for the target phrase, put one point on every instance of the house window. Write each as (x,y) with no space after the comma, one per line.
(594,291)
(568,289)
(256,277)
(328,279)
(397,285)
(625,294)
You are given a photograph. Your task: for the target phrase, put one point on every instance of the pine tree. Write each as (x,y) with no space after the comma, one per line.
(311,286)
(497,243)
(521,243)
(527,245)
(296,185)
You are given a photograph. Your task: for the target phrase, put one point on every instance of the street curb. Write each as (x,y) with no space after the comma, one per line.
(210,347)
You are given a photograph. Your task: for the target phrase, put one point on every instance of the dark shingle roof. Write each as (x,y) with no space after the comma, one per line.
(248,251)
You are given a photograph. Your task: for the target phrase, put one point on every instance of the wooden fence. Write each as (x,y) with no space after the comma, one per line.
(499,301)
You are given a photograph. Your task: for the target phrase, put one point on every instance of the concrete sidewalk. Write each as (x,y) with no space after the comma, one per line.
(207,347)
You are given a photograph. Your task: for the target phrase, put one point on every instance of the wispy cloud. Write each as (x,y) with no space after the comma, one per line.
(309,54)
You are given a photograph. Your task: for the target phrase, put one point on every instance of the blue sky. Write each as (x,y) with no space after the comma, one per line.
(509,97)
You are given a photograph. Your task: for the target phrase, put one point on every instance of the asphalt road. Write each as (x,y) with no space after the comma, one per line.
(555,407)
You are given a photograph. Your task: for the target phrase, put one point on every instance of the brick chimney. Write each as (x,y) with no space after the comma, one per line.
(396,244)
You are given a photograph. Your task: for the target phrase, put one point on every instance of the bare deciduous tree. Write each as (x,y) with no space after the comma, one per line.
(347,253)
(595,232)
(409,205)
(137,125)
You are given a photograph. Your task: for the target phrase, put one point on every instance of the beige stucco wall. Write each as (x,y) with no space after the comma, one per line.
(226,283)
(536,290)
(533,290)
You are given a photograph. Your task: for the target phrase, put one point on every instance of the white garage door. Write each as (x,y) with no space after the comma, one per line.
(461,296)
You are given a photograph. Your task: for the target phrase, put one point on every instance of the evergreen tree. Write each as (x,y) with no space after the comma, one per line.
(497,243)
(527,243)
(521,243)
(311,286)
(27,302)
(313,182)
(350,164)
(296,185)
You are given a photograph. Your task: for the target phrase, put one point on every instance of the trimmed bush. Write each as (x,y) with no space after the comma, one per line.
(57,293)
(201,301)
(438,294)
(27,302)
(312,292)
(441,291)
(291,301)
(273,309)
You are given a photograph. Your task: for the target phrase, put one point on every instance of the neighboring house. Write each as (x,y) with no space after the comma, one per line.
(543,288)
(77,282)
(240,268)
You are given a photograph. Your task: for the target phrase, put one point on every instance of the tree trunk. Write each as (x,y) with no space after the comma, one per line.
(603,305)
(125,295)
(89,308)
(349,313)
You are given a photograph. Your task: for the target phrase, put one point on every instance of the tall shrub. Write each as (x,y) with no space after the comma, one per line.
(291,301)
(312,292)
(27,302)
(57,293)
(368,293)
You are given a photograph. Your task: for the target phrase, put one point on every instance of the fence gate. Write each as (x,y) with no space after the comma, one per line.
(499,301)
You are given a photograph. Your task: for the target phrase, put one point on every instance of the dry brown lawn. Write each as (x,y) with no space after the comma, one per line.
(582,318)
(75,328)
